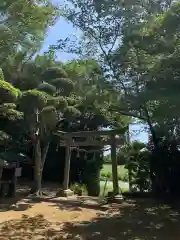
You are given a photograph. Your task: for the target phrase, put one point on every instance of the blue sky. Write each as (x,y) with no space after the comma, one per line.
(60,30)
(63,29)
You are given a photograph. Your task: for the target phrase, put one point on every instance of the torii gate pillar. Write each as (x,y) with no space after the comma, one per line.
(66,192)
(116,195)
(114,166)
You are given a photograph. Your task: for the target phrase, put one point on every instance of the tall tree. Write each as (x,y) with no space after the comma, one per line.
(110,27)
(159,40)
(43,108)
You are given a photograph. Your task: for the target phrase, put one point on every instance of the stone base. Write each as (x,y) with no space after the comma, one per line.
(117,198)
(65,193)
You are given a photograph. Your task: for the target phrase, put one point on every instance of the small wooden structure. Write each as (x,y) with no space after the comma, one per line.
(91,138)
(10,170)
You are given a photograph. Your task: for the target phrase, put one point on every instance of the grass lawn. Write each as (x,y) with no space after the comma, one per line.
(109,188)
(107,170)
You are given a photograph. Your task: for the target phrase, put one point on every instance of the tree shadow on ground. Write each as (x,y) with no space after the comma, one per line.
(131,220)
(138,220)
(22,200)
(15,207)
(14,203)
(28,228)
(71,204)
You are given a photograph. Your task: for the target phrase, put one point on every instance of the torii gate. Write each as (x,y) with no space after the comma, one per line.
(67,140)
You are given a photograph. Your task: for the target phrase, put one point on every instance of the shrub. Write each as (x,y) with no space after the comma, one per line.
(79,189)
(138,167)
(91,174)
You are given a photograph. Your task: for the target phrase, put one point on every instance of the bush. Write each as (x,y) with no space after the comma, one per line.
(165,169)
(91,174)
(79,189)
(124,178)
(138,167)
(105,176)
(107,159)
(93,185)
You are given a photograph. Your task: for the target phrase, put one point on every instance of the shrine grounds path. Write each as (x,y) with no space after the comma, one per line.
(87,218)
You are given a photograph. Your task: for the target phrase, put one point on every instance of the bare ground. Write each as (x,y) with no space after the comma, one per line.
(84,218)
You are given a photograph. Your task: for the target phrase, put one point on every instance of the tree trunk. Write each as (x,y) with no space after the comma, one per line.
(36,189)
(114,166)
(40,158)
(153,133)
(44,155)
(153,177)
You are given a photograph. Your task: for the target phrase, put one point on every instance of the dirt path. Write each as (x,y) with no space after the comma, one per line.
(50,211)
(45,219)
(86,219)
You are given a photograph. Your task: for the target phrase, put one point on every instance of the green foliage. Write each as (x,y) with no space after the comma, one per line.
(94,97)
(1,74)
(5,139)
(51,91)
(64,85)
(43,108)
(106,173)
(45,105)
(138,158)
(71,113)
(93,186)
(53,73)
(72,100)
(26,30)
(58,78)
(9,113)
(49,117)
(32,100)
(107,158)
(48,121)
(47,88)
(133,72)
(59,102)
(8,92)
(137,49)
(79,189)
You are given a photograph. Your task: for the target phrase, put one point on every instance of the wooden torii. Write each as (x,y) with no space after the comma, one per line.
(70,139)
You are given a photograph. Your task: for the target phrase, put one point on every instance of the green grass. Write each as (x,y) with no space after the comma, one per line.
(109,188)
(106,171)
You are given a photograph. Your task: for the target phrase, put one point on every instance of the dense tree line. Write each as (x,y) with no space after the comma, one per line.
(127,68)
